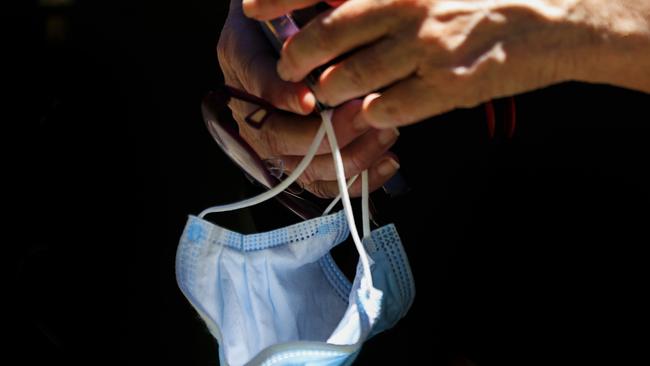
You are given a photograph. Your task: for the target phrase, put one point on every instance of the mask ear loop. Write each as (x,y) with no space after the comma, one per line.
(326,115)
(287,182)
(326,127)
(277,189)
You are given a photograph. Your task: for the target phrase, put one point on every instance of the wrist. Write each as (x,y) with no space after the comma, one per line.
(617,43)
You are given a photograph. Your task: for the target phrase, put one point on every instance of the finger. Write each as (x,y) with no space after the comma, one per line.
(357,157)
(378,174)
(291,134)
(249,57)
(443,90)
(261,79)
(353,24)
(365,71)
(406,102)
(265,9)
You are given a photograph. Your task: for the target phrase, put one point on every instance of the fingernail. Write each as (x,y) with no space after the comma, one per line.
(388,167)
(249,8)
(308,102)
(387,136)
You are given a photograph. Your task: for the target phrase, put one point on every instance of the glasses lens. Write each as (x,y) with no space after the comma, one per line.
(269,172)
(224,130)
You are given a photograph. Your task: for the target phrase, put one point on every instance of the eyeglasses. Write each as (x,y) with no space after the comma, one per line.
(263,172)
(269,172)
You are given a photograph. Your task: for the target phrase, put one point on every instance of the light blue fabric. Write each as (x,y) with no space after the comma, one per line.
(278,298)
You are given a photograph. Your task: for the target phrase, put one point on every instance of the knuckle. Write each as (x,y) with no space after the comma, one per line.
(390,112)
(288,55)
(354,74)
(432,37)
(320,189)
(439,38)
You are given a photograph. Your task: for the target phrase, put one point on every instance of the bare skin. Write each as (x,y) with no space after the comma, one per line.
(428,57)
(433,56)
(248,62)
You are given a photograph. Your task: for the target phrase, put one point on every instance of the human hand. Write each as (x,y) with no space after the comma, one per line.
(428,57)
(248,63)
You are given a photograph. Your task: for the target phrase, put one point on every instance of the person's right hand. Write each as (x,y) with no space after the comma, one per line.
(248,63)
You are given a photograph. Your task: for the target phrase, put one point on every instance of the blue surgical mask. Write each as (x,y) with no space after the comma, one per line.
(278,298)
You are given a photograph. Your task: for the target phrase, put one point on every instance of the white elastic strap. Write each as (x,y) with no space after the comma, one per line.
(345,197)
(338,198)
(326,126)
(365,211)
(280,187)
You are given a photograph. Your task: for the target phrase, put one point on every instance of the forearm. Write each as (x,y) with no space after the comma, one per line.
(619,49)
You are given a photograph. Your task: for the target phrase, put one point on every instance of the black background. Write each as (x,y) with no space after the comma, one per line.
(524,251)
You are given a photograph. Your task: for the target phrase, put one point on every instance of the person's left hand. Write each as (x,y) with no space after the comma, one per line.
(427,57)
(248,63)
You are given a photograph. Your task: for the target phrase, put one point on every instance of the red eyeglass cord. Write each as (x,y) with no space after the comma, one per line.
(509,121)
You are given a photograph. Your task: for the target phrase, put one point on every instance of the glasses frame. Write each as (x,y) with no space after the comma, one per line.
(224,130)
(218,119)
